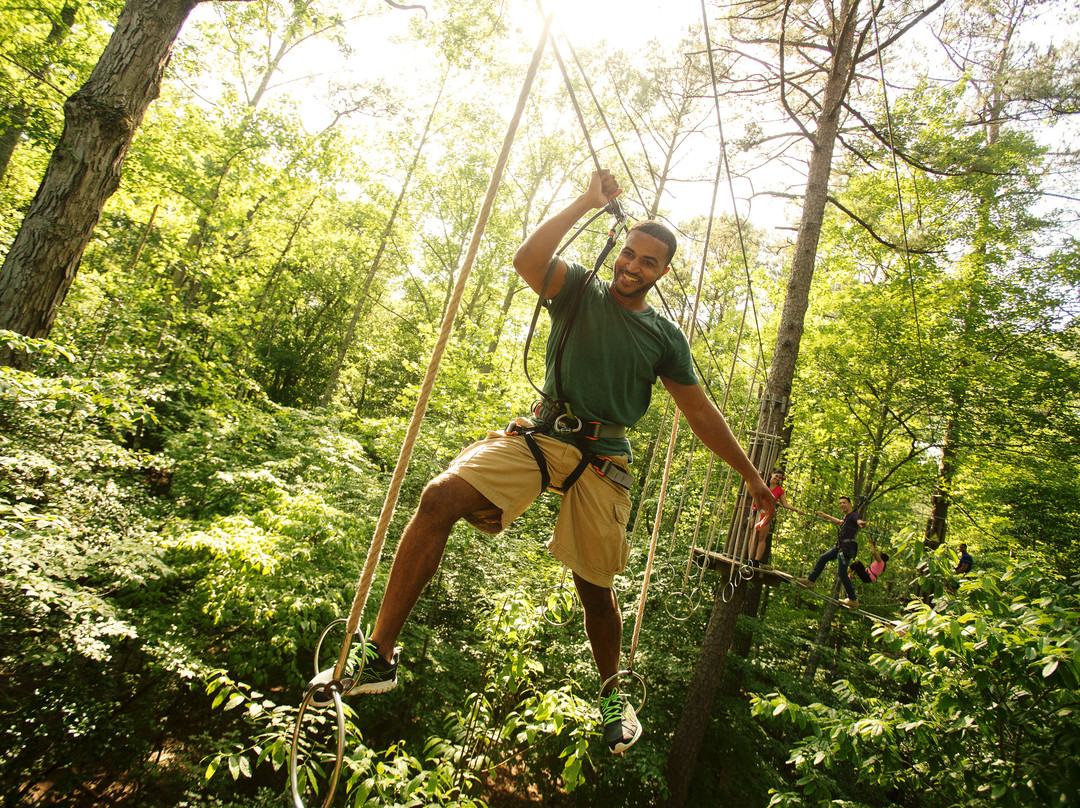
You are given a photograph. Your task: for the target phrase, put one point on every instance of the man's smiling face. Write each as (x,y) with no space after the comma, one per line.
(639,265)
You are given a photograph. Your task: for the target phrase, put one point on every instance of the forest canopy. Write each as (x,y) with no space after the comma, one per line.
(230,232)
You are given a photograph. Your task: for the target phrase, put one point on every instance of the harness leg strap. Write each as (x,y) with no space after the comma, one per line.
(541,461)
(572,477)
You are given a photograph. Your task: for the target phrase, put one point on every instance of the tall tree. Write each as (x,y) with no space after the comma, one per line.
(987,43)
(830,38)
(101,119)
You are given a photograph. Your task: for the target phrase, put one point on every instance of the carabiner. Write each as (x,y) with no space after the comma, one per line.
(559,426)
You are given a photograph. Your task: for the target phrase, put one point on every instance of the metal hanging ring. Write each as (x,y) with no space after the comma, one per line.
(728,592)
(625,582)
(746,572)
(627,672)
(664,574)
(559,598)
(293,752)
(322,637)
(691,605)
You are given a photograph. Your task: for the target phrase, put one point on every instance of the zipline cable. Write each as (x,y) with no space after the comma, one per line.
(900,205)
(896,177)
(603,117)
(613,206)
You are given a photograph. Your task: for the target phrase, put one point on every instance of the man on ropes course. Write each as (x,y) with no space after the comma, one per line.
(845,550)
(606,348)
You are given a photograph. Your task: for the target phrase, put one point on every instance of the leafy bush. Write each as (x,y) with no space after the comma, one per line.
(991,676)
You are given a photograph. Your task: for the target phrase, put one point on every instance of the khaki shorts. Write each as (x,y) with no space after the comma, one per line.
(590,533)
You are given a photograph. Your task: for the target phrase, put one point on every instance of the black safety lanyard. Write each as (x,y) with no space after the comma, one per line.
(560,403)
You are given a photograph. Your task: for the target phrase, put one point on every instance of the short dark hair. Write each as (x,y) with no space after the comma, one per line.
(651,227)
(884,556)
(847,498)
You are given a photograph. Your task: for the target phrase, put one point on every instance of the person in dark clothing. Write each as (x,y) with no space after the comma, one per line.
(965,561)
(845,550)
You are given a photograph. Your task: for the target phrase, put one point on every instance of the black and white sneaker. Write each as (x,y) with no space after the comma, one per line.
(376,675)
(621,725)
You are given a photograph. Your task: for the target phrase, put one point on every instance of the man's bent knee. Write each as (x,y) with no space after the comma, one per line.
(449,498)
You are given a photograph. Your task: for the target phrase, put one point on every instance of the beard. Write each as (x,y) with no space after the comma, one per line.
(637,291)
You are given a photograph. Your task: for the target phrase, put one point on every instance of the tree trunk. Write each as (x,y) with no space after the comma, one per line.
(708,672)
(100,121)
(822,635)
(744,638)
(688,735)
(939,503)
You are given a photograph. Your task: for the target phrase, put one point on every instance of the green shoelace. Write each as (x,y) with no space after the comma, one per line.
(611,707)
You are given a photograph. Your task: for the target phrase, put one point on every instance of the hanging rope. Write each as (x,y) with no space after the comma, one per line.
(363,588)
(666,476)
(379,538)
(730,181)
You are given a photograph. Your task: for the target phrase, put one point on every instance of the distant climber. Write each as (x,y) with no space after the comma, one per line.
(844,551)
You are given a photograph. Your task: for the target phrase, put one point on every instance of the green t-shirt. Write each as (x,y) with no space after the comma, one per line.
(612,357)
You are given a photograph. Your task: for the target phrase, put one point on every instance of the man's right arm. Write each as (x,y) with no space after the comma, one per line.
(533,257)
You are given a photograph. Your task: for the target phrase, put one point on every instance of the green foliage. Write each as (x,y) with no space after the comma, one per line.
(989,718)
(513,718)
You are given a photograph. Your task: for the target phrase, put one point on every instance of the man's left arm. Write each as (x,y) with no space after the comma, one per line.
(709,425)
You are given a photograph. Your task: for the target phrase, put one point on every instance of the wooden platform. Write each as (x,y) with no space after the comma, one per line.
(723,562)
(771,576)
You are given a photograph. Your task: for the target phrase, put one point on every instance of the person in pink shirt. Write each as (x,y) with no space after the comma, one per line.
(877,566)
(761,535)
